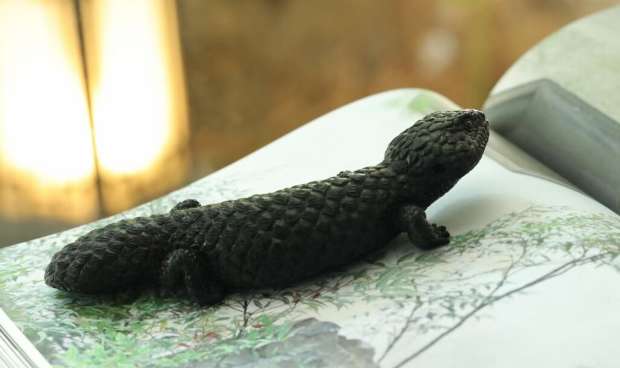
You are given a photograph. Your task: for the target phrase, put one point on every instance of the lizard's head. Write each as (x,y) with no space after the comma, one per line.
(441,147)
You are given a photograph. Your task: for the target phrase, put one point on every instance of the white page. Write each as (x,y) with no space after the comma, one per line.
(444,308)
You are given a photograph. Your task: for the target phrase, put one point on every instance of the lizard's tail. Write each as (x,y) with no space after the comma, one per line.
(116,257)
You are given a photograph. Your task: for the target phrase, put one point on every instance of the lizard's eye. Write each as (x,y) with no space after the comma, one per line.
(465,122)
(470,119)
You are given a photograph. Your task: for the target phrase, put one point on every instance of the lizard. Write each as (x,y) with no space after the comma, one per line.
(277,239)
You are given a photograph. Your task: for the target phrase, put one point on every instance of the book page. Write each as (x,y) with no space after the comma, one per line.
(15,349)
(530,277)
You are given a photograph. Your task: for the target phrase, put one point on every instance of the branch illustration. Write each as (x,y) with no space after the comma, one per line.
(491,298)
(402,330)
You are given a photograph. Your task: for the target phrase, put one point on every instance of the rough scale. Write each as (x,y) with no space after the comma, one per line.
(279,238)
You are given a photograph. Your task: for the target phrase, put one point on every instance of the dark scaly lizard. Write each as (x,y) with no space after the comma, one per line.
(279,238)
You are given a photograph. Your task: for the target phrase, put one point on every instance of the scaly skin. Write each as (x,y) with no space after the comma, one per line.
(277,239)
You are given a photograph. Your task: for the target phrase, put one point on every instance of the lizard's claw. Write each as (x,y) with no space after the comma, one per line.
(440,231)
(440,234)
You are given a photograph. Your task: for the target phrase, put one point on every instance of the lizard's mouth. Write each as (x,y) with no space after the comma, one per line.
(476,126)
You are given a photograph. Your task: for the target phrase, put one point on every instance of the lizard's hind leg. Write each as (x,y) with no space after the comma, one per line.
(185,272)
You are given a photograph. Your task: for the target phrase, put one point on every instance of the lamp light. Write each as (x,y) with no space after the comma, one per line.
(93,113)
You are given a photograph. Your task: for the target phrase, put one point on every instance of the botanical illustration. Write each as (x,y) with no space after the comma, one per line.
(363,316)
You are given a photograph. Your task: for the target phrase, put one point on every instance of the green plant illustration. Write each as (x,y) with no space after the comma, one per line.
(404,291)
(545,242)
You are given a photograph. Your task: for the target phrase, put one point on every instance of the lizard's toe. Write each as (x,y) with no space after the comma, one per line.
(183,205)
(441,231)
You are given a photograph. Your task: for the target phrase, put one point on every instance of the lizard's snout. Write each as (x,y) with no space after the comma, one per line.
(474,116)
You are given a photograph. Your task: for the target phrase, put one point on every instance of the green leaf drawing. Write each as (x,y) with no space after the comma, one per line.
(405,291)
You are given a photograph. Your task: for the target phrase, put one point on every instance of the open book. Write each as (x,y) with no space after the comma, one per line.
(531,276)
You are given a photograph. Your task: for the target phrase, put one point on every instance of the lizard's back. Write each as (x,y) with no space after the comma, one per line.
(278,238)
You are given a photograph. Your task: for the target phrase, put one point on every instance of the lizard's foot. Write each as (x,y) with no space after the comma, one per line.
(184,272)
(440,237)
(424,235)
(183,205)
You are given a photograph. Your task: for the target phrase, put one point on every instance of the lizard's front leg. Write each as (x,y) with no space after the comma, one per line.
(411,219)
(183,205)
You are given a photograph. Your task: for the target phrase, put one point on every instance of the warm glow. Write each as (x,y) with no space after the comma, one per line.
(131,75)
(129,65)
(44,121)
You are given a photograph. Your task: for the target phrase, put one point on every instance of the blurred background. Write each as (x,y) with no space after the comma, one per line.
(106,104)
